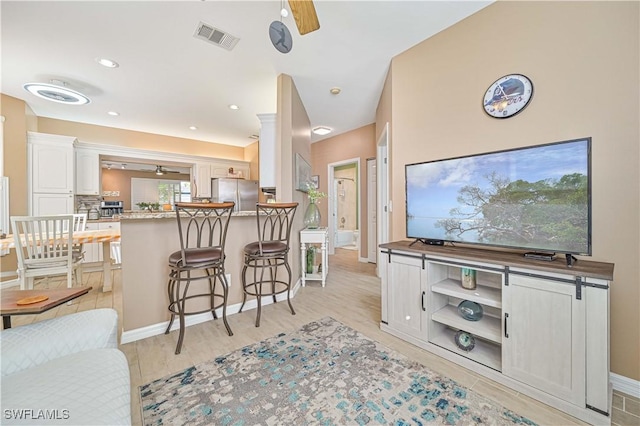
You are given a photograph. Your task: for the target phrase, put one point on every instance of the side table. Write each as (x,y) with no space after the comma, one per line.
(56,297)
(315,236)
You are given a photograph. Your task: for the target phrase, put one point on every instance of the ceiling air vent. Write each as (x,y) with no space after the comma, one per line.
(216,36)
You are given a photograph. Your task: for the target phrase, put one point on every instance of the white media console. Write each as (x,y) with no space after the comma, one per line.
(544,330)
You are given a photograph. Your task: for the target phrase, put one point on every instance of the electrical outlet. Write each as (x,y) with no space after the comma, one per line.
(228,277)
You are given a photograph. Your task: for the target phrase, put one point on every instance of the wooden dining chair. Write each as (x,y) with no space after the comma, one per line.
(44,247)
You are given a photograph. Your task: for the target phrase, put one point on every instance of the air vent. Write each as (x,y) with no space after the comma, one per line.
(215,36)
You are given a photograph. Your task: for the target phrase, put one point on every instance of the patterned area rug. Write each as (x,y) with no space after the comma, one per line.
(325,373)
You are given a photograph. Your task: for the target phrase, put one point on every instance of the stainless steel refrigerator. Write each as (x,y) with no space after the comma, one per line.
(242,192)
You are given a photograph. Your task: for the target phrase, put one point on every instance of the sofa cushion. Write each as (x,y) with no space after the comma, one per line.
(84,388)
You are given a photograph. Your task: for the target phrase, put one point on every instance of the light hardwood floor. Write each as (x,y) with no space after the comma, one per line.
(351,295)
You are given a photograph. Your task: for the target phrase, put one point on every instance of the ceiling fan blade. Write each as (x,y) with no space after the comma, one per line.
(304,12)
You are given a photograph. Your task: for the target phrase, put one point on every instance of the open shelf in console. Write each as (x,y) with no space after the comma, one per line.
(487,327)
(446,293)
(484,352)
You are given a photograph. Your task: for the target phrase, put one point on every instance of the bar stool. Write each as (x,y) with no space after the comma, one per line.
(203,230)
(268,253)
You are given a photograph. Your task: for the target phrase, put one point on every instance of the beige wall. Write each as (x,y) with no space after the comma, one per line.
(293,136)
(18,120)
(358,143)
(583,59)
(140,140)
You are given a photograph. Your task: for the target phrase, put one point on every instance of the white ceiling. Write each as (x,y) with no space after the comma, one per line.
(169,80)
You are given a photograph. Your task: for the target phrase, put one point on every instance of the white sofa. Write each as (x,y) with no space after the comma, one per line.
(66,370)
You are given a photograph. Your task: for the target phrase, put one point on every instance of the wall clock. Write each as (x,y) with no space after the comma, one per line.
(507,96)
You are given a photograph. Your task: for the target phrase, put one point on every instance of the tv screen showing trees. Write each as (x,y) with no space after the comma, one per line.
(536,198)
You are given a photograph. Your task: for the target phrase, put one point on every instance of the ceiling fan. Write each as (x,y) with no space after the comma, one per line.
(304,13)
(161,171)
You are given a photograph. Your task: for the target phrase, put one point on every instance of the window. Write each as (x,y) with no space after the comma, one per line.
(161,191)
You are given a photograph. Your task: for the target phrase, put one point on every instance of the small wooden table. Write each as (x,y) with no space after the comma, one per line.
(57,297)
(315,236)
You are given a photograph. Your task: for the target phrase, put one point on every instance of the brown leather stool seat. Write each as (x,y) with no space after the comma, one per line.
(267,254)
(202,228)
(197,258)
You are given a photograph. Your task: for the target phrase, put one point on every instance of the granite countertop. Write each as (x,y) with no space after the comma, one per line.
(104,219)
(169,215)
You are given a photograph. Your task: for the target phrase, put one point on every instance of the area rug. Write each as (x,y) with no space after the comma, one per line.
(324,373)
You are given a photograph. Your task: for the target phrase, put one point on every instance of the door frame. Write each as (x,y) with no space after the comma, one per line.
(372,231)
(330,203)
(384,203)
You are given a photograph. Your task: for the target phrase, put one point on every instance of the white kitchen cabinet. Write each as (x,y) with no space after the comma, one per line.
(544,330)
(268,151)
(204,172)
(43,204)
(51,163)
(202,179)
(87,172)
(93,252)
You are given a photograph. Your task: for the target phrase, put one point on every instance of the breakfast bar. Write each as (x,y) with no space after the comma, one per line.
(148,240)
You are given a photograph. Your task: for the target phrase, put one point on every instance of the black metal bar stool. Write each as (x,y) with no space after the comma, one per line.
(203,230)
(268,253)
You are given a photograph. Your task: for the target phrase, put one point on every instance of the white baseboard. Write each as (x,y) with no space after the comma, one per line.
(9,284)
(157,329)
(625,384)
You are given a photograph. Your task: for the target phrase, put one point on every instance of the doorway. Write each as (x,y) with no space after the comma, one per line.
(344,205)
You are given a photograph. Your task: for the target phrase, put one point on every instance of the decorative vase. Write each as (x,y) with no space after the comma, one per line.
(312,216)
(468,278)
(311,259)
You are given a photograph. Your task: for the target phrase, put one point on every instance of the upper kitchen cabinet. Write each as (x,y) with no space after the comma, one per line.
(202,173)
(202,180)
(87,172)
(51,163)
(268,166)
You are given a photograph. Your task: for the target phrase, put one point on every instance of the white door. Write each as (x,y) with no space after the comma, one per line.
(372,227)
(544,336)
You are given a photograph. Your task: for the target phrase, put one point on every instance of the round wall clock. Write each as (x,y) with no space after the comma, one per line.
(507,96)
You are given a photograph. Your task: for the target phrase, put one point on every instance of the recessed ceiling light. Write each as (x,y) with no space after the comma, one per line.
(234,107)
(335,90)
(113,113)
(56,94)
(321,130)
(193,128)
(107,63)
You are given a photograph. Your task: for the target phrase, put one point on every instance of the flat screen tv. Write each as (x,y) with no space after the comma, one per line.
(536,198)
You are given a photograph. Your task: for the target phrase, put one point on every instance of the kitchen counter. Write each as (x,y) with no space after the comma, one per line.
(146,245)
(104,219)
(169,215)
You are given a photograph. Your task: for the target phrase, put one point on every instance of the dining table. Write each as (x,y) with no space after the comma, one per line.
(104,236)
